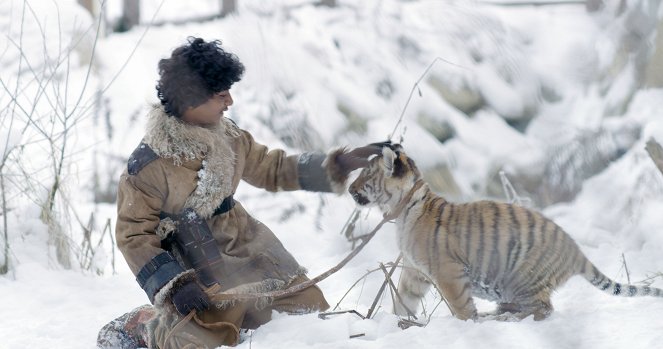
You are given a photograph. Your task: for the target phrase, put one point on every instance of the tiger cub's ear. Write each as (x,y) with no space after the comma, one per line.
(388,157)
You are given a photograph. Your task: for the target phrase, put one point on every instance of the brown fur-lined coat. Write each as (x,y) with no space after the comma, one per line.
(197,168)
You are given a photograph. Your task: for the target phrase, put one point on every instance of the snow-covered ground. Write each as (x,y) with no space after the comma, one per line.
(319,77)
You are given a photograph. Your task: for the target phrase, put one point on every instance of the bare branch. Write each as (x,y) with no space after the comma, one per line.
(89,66)
(324,316)
(387,276)
(512,196)
(223,297)
(628,276)
(656,153)
(4,267)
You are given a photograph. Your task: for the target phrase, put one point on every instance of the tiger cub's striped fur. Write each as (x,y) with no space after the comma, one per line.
(496,251)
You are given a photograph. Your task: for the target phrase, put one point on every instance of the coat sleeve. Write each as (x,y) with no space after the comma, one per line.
(274,170)
(138,208)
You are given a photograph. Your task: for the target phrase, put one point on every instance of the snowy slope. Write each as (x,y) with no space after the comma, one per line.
(513,84)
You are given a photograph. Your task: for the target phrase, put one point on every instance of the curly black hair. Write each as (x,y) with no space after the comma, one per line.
(195,72)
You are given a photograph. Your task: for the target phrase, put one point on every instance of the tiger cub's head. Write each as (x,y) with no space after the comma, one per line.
(386,176)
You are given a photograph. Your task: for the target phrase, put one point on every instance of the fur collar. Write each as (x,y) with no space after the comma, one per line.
(173,139)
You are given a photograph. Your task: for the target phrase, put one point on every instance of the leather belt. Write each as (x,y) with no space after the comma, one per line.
(225,206)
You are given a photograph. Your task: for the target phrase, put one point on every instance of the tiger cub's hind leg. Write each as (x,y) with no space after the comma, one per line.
(456,288)
(539,306)
(512,312)
(412,287)
(542,308)
(505,312)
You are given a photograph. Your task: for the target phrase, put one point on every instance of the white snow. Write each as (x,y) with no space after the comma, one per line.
(319,70)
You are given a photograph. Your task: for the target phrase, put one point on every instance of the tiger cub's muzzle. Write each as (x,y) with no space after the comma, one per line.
(360,199)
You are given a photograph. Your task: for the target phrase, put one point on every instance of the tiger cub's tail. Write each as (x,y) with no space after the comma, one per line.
(605,284)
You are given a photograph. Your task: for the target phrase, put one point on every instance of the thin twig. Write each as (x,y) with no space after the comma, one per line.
(149,25)
(86,246)
(395,291)
(651,278)
(89,66)
(107,228)
(416,87)
(349,226)
(509,191)
(324,316)
(435,308)
(356,238)
(353,286)
(384,284)
(628,276)
(4,268)
(436,288)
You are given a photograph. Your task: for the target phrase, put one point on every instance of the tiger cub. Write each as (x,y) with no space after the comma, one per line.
(495,251)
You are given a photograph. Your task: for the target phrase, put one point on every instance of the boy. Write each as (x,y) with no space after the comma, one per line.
(181,231)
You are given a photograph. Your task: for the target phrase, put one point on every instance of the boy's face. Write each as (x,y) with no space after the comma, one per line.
(209,113)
